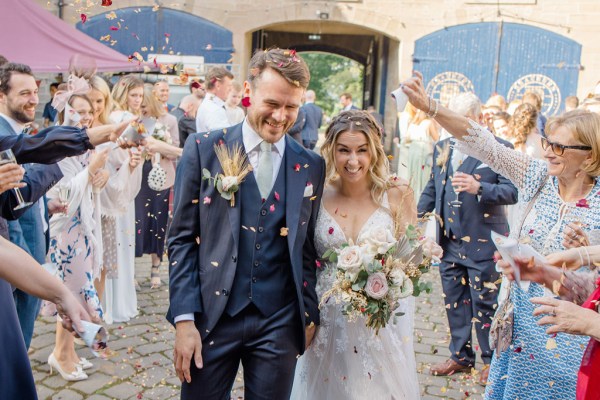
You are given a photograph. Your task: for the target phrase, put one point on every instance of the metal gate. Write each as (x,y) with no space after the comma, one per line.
(499,57)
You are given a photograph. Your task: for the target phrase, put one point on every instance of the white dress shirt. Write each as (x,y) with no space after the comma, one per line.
(211,114)
(252,141)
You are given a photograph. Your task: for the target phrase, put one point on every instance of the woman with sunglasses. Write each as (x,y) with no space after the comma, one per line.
(561,190)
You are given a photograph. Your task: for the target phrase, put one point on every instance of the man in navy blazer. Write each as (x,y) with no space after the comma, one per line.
(464,234)
(242,274)
(314,120)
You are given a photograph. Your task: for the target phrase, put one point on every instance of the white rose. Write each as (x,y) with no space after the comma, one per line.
(379,239)
(228,182)
(350,261)
(402,285)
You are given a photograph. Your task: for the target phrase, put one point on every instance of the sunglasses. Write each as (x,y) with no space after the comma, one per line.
(559,149)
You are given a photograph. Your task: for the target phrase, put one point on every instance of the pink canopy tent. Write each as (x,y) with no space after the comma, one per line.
(33,36)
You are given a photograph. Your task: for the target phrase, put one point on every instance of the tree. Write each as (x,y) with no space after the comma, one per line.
(331,75)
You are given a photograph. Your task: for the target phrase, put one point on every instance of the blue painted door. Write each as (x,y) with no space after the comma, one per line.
(498,57)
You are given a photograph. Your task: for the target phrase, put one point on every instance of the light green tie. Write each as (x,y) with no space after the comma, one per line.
(264,176)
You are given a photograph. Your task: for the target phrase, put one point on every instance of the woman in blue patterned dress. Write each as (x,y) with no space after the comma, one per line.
(563,189)
(76,240)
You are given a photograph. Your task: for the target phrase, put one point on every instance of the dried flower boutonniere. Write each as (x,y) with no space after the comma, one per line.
(443,156)
(235,168)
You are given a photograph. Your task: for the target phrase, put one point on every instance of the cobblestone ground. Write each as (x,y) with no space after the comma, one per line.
(142,368)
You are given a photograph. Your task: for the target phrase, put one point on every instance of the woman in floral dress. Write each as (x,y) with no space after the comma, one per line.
(563,191)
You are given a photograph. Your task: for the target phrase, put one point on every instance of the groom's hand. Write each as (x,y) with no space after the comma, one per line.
(310,333)
(187,344)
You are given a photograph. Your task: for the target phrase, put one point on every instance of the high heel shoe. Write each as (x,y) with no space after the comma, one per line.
(85,364)
(77,375)
(155,282)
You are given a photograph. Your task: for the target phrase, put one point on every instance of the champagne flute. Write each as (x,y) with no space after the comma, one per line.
(456,203)
(64,191)
(7,157)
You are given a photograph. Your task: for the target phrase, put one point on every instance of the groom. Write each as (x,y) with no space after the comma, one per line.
(242,278)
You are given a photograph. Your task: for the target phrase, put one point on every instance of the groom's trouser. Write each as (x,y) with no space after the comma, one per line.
(267,347)
(469,303)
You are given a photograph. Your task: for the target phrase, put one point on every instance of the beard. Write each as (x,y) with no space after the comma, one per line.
(19,115)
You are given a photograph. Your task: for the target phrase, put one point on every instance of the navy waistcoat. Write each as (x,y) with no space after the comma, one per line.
(264,272)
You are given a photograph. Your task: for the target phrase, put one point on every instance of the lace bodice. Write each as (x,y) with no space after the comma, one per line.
(346,359)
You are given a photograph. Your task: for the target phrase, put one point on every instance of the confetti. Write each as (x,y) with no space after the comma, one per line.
(582,203)
(83,18)
(111,15)
(276,196)
(246,102)
(466,239)
(195,201)
(207,200)
(114,28)
(272,208)
(313,198)
(214,263)
(297,167)
(330,230)
(283,231)
(106,3)
(551,344)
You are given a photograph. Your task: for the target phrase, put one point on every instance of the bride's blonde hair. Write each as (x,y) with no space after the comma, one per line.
(358,121)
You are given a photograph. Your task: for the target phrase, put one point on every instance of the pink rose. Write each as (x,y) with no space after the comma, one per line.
(377,286)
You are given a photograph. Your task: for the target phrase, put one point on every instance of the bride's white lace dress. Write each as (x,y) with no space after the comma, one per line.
(346,359)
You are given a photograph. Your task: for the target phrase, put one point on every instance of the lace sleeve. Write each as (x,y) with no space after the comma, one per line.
(522,170)
(579,285)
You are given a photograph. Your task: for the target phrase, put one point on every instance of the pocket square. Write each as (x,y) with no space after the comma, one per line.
(308,190)
(482,165)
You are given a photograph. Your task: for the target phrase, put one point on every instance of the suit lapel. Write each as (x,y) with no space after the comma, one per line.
(295,182)
(468,165)
(6,127)
(233,137)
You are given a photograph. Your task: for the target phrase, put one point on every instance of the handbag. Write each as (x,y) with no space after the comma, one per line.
(501,330)
(157,176)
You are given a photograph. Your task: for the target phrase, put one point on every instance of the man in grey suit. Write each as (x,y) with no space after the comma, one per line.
(314,119)
(243,275)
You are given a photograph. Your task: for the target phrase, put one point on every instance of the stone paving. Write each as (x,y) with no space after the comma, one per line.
(142,367)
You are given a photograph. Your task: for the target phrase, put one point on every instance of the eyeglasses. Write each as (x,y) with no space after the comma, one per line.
(559,149)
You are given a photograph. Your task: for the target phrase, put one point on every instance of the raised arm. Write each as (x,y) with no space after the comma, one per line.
(476,141)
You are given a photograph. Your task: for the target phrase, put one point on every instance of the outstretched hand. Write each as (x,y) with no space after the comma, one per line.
(188,344)
(415,91)
(71,312)
(564,316)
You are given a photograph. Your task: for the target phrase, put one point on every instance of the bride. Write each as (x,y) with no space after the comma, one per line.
(346,359)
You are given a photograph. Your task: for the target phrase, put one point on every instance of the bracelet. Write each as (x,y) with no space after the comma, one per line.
(589,261)
(580,256)
(435,111)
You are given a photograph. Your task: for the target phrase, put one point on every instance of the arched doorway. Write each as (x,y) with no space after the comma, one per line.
(499,57)
(368,47)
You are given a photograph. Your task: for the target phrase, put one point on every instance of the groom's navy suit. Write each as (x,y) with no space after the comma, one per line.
(246,272)
(464,235)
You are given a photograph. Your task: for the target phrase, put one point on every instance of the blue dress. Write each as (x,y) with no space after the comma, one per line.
(536,365)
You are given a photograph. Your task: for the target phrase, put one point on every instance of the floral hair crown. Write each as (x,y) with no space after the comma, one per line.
(357,118)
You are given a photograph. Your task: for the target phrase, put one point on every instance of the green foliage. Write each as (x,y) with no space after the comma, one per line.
(361,281)
(330,76)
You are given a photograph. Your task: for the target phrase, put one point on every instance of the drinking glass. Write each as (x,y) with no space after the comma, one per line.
(64,191)
(7,157)
(456,203)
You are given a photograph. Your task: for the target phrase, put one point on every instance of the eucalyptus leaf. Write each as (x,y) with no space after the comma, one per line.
(206,174)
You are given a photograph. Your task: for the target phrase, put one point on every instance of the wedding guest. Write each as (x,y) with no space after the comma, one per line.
(21,270)
(186,117)
(420,138)
(571,103)
(211,114)
(512,106)
(161,91)
(152,205)
(119,191)
(346,102)
(235,114)
(313,120)
(535,100)
(561,189)
(120,293)
(49,114)
(522,129)
(197,89)
(497,100)
(500,125)
(470,200)
(76,237)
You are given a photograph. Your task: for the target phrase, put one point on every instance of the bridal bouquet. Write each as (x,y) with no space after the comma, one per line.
(160,133)
(372,276)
